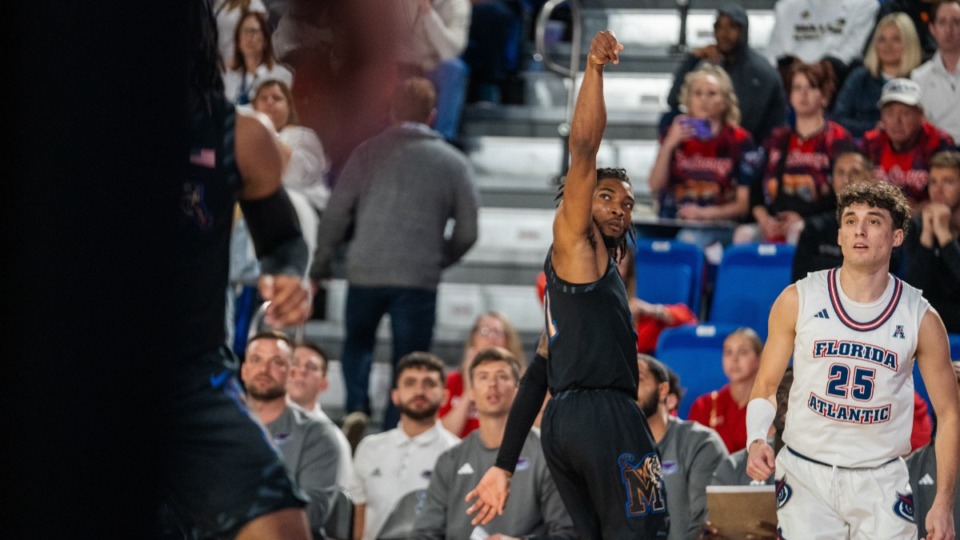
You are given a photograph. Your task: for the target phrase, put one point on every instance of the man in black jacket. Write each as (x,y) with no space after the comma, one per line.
(751,73)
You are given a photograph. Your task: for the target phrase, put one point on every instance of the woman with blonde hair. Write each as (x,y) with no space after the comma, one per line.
(894,52)
(490,329)
(699,171)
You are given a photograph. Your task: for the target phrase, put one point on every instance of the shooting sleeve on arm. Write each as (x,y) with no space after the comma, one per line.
(276,234)
(533,388)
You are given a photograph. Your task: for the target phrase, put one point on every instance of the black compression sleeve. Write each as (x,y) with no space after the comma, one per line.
(526,406)
(276,234)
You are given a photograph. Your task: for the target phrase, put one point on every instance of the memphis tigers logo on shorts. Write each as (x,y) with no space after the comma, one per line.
(643,480)
(784,491)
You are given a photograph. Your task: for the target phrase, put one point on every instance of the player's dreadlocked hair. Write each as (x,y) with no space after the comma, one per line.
(627,240)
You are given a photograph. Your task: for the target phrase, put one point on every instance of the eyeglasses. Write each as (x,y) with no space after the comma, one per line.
(251,32)
(491,331)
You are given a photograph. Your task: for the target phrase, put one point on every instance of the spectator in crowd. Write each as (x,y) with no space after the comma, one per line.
(796,177)
(306,381)
(253,61)
(922,467)
(307,166)
(932,251)
(308,447)
(920,13)
(751,74)
(813,30)
(902,147)
(491,329)
(725,410)
(437,36)
(689,452)
(401,460)
(396,194)
(228,13)
(894,51)
(698,173)
(939,78)
(535,506)
(817,247)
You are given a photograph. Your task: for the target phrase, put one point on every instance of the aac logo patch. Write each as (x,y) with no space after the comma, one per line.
(904,506)
(784,491)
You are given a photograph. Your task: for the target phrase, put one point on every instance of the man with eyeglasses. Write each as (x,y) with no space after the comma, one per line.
(307,446)
(307,380)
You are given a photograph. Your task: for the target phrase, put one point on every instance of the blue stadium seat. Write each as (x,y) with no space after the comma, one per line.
(694,353)
(749,279)
(669,272)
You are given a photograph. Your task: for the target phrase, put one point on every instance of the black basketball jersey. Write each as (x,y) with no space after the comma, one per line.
(592,340)
(205,218)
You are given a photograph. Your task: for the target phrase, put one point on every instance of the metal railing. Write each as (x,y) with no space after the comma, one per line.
(576,40)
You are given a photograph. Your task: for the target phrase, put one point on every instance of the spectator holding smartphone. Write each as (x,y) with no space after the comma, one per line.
(700,173)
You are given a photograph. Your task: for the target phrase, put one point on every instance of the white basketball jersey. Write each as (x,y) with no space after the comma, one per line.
(851,403)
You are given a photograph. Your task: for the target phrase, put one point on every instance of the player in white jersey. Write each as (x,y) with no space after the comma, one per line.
(853,333)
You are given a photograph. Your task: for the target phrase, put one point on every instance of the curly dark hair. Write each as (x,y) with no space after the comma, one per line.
(624,242)
(876,195)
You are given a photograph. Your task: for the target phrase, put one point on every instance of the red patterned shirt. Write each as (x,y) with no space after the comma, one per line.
(907,169)
(807,185)
(707,172)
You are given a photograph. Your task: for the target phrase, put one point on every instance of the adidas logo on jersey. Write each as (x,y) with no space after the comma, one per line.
(465,469)
(822,314)
(926,480)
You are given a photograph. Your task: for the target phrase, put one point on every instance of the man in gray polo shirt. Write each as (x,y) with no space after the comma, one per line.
(535,509)
(689,452)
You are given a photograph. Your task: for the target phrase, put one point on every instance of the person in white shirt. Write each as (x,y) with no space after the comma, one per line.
(811,30)
(228,14)
(306,162)
(307,380)
(939,78)
(390,464)
(253,61)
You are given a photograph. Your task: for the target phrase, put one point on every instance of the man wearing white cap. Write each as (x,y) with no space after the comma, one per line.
(902,146)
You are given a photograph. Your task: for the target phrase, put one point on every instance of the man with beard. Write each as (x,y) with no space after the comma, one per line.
(690,452)
(536,510)
(307,447)
(612,486)
(390,464)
